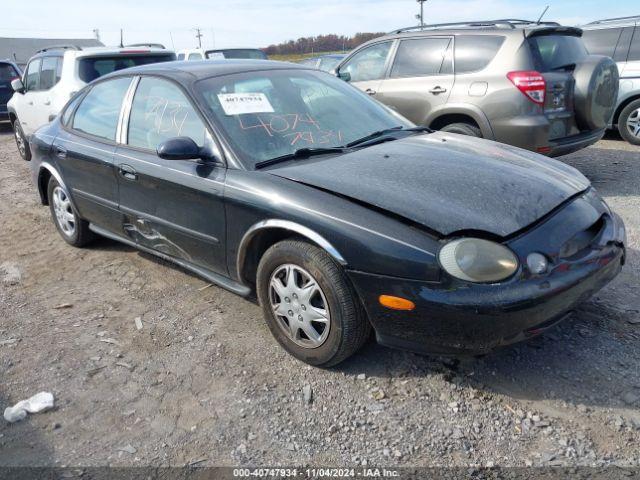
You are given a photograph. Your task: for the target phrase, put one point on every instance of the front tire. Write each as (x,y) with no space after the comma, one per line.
(309,304)
(629,123)
(21,141)
(463,129)
(71,227)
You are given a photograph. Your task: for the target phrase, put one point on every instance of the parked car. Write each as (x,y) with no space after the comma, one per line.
(55,74)
(222,54)
(505,80)
(9,71)
(326,63)
(619,38)
(273,179)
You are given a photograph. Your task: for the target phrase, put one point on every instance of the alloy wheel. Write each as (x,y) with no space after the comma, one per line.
(633,123)
(299,305)
(64,213)
(22,148)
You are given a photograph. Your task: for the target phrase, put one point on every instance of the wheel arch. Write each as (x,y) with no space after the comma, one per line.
(262,235)
(453,114)
(622,106)
(45,173)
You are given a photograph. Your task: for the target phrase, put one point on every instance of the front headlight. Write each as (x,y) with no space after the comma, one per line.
(477,260)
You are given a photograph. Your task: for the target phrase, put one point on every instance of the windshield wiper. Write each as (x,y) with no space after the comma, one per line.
(299,154)
(382,133)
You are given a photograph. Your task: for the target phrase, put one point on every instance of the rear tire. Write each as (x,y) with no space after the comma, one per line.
(347,327)
(21,141)
(463,129)
(629,123)
(73,229)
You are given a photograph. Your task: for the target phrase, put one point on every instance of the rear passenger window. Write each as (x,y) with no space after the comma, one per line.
(422,57)
(161,111)
(99,112)
(49,75)
(474,52)
(33,75)
(195,56)
(634,53)
(602,42)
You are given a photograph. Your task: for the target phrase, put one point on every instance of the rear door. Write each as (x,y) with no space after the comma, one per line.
(84,151)
(366,68)
(174,207)
(421,77)
(7,74)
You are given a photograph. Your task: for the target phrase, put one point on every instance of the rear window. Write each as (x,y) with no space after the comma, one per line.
(7,73)
(602,42)
(91,68)
(474,52)
(237,53)
(555,52)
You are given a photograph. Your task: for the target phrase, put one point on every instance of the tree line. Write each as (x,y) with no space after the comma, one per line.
(321,43)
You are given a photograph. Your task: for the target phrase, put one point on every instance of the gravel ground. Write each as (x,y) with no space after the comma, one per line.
(204,382)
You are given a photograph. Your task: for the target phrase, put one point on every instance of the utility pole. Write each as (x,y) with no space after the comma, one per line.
(96,32)
(421,17)
(199,37)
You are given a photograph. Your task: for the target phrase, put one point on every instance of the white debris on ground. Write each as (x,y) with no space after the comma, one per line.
(40,402)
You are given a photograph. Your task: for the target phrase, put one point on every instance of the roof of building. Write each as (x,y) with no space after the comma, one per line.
(20,50)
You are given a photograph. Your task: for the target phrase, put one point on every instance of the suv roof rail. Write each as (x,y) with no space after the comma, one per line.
(502,23)
(614,20)
(59,47)
(150,45)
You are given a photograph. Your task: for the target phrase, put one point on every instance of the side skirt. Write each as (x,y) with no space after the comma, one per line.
(208,275)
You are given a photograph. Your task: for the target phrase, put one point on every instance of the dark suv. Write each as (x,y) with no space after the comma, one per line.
(9,71)
(528,84)
(619,38)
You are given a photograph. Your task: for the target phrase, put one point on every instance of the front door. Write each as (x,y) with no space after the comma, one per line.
(174,207)
(26,103)
(421,77)
(367,67)
(84,150)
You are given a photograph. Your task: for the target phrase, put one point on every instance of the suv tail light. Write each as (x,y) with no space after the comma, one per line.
(531,83)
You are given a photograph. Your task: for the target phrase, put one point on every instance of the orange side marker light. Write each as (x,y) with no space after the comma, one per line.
(396,303)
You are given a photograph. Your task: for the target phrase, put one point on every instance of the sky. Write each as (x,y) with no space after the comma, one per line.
(243,23)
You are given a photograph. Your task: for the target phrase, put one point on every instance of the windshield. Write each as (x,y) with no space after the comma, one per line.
(269,114)
(236,53)
(90,68)
(552,52)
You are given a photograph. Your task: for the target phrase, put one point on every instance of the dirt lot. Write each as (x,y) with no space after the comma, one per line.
(204,382)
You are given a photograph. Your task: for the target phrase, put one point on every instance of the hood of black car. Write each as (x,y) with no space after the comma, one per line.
(447,183)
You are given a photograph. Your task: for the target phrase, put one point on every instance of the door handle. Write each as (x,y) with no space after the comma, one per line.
(370,91)
(437,90)
(60,152)
(127,172)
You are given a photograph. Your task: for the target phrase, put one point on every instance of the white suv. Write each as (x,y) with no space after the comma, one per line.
(55,74)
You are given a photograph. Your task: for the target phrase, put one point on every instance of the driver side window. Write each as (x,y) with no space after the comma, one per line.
(32,77)
(369,63)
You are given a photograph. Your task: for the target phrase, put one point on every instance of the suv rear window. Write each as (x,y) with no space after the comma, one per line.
(245,53)
(554,52)
(91,68)
(474,52)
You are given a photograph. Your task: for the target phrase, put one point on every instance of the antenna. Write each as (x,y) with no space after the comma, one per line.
(545,11)
(121,39)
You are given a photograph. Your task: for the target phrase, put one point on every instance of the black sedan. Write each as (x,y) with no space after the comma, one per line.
(283,182)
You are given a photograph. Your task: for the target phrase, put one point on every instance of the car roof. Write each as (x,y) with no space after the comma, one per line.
(206,68)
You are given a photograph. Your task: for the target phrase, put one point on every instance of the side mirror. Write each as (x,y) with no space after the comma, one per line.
(180,148)
(346,76)
(17,85)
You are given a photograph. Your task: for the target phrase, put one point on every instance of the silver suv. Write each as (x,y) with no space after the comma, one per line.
(528,84)
(619,38)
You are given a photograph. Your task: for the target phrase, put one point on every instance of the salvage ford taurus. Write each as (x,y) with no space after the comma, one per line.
(283,182)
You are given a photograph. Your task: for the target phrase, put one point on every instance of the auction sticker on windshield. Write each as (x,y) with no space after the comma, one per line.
(243,103)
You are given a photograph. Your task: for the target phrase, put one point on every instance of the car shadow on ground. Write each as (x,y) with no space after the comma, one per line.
(5,128)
